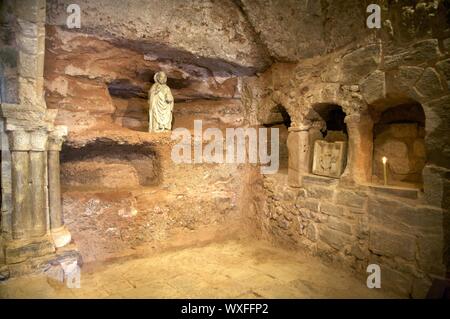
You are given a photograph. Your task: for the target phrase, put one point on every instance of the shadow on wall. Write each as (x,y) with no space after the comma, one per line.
(107,164)
(280,118)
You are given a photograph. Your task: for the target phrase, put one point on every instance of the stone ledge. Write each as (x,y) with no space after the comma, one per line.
(395,191)
(320,180)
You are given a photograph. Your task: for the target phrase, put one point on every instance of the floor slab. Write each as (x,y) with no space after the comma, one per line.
(232,269)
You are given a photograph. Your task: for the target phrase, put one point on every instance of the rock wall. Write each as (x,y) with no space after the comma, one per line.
(122,194)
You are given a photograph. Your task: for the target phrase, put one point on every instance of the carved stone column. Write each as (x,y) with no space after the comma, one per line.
(299,158)
(20,145)
(38,173)
(60,234)
(360,148)
(29,222)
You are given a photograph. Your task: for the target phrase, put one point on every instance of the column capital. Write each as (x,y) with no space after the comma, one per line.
(22,140)
(57,137)
(302,126)
(357,119)
(39,140)
(19,140)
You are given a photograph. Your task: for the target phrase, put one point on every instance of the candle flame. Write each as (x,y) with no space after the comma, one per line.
(384,159)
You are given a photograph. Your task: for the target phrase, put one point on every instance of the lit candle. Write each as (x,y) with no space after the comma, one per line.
(384,160)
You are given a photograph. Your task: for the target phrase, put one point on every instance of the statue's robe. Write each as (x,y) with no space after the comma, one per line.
(160,108)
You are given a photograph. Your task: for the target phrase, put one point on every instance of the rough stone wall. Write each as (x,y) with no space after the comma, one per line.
(354,227)
(205,33)
(119,200)
(346,220)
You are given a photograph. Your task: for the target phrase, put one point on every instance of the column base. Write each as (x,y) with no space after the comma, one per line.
(17,251)
(61,236)
(295,178)
(42,265)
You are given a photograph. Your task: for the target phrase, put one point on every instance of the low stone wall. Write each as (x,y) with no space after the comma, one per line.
(358,226)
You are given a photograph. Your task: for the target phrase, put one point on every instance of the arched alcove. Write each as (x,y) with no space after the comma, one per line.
(333,125)
(399,136)
(328,126)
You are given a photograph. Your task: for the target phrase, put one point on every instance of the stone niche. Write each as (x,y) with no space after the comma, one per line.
(109,165)
(329,138)
(399,135)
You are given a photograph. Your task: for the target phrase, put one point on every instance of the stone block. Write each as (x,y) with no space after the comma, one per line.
(311,232)
(339,224)
(27,45)
(362,227)
(437,126)
(332,210)
(351,198)
(446,45)
(401,81)
(431,254)
(382,212)
(444,68)
(417,54)
(395,280)
(28,29)
(359,252)
(319,192)
(360,63)
(31,10)
(430,85)
(373,88)
(21,250)
(319,180)
(437,187)
(386,243)
(308,204)
(334,238)
(420,288)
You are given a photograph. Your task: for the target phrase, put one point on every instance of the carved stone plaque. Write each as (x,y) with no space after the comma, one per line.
(329,158)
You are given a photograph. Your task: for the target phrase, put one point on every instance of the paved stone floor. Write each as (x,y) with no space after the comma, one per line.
(233,269)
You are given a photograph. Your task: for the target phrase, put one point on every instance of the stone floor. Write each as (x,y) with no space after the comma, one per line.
(232,269)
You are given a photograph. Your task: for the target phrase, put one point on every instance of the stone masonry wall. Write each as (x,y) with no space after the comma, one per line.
(351,221)
(355,227)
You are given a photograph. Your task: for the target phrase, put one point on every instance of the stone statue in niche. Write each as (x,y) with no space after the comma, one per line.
(329,158)
(160,105)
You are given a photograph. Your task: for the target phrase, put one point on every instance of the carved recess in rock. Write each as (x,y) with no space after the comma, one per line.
(91,80)
(109,165)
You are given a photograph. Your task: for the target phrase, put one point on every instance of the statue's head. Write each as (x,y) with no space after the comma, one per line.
(160,77)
